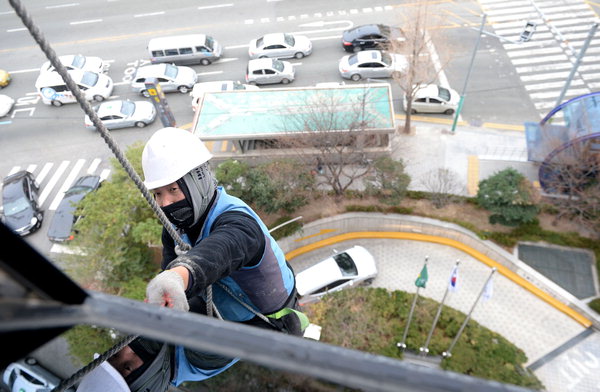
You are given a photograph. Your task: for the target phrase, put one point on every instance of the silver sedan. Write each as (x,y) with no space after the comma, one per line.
(123,114)
(280,45)
(372,64)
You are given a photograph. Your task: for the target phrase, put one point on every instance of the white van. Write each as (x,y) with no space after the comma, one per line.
(184,49)
(54,91)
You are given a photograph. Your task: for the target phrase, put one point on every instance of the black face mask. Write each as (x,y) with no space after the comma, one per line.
(180,213)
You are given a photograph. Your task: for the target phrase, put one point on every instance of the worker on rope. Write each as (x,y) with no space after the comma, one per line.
(232,251)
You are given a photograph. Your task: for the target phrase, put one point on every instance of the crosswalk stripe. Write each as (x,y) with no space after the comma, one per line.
(44,172)
(48,188)
(67,183)
(14,170)
(104,174)
(31,168)
(94,166)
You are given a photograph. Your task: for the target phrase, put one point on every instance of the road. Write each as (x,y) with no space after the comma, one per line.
(52,140)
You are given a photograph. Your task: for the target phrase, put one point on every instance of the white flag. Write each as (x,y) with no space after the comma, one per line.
(488,290)
(453,283)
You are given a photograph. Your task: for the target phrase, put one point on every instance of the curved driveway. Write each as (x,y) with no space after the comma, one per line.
(527,309)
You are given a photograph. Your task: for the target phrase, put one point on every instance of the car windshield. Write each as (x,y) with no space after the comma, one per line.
(289,39)
(386,58)
(278,65)
(444,93)
(259,42)
(13,207)
(210,43)
(346,264)
(78,61)
(89,78)
(77,189)
(127,108)
(352,59)
(171,71)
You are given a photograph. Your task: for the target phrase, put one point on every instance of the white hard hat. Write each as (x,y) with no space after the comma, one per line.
(103,379)
(170,154)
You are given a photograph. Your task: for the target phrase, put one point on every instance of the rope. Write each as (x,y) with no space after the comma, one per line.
(250,308)
(87,108)
(94,364)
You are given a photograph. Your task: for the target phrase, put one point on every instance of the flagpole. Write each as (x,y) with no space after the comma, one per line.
(448,353)
(402,344)
(425,349)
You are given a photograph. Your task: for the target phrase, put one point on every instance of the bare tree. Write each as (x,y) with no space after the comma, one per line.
(571,180)
(332,136)
(443,186)
(417,27)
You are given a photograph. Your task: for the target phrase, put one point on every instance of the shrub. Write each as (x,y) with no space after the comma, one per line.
(509,196)
(390,182)
(595,305)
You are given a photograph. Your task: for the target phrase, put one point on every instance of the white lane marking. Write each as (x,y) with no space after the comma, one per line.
(149,14)
(86,21)
(18,29)
(31,168)
(65,186)
(52,182)
(104,174)
(210,73)
(25,70)
(235,47)
(228,59)
(61,5)
(94,166)
(120,83)
(14,170)
(207,7)
(7,12)
(435,59)
(45,170)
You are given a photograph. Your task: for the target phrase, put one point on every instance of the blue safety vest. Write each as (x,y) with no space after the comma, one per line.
(265,286)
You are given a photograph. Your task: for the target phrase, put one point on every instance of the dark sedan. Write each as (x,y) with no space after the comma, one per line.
(20,210)
(371,36)
(64,217)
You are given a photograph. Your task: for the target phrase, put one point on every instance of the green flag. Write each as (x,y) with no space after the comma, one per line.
(422,278)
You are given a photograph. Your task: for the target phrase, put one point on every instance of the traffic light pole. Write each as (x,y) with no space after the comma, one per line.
(464,90)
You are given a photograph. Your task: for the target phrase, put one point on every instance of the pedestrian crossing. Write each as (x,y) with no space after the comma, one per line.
(544,63)
(56,178)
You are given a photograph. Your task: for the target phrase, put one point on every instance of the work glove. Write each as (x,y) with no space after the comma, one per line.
(166,289)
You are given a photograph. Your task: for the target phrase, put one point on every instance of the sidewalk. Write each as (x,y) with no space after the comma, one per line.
(472,153)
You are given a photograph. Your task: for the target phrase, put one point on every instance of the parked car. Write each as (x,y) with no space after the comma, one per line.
(433,99)
(20,210)
(371,64)
(123,114)
(78,61)
(6,104)
(345,269)
(171,78)
(267,71)
(211,87)
(27,375)
(280,45)
(64,218)
(5,78)
(371,36)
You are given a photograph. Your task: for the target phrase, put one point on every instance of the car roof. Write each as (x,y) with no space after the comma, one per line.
(87,181)
(273,38)
(152,70)
(365,29)
(110,107)
(177,41)
(368,55)
(260,63)
(53,77)
(431,90)
(16,177)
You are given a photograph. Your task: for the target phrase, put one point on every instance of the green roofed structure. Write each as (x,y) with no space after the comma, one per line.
(251,118)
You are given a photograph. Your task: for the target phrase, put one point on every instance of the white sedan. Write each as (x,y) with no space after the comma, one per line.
(433,99)
(6,103)
(345,269)
(123,114)
(200,89)
(372,64)
(280,45)
(78,61)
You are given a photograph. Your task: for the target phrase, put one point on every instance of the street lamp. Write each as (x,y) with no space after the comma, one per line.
(462,95)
